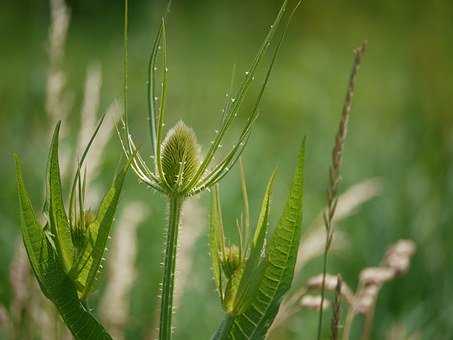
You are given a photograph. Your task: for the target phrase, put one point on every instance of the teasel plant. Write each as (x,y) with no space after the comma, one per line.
(252,277)
(66,253)
(178,171)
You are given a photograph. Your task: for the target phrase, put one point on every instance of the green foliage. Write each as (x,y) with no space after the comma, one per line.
(251,297)
(66,254)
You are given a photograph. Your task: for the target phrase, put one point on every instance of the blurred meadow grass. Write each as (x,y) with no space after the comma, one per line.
(401,130)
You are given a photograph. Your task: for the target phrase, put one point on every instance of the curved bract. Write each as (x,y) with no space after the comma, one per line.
(252,295)
(66,253)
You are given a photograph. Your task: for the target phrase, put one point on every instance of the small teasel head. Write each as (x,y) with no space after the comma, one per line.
(231,260)
(80,228)
(180,156)
(237,268)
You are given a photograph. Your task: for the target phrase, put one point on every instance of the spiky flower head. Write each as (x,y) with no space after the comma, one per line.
(180,156)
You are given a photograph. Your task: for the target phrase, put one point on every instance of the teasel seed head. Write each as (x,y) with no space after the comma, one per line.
(180,156)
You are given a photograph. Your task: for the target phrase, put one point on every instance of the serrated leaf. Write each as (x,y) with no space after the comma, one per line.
(60,289)
(50,273)
(254,268)
(58,219)
(104,219)
(32,232)
(263,219)
(281,254)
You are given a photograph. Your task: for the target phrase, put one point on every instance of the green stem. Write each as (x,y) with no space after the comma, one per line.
(323,289)
(224,329)
(168,281)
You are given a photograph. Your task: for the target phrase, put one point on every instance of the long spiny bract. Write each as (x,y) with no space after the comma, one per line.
(230,160)
(231,111)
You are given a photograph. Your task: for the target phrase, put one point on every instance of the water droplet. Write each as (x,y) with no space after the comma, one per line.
(156,98)
(247,73)
(216,131)
(233,100)
(155,68)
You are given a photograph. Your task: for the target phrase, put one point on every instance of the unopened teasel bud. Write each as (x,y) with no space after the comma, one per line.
(180,156)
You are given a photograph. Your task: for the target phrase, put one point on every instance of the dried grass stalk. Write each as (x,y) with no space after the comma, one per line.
(5,322)
(348,202)
(56,104)
(313,302)
(395,263)
(336,315)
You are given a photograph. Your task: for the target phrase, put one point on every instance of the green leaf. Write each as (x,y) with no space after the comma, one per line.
(216,239)
(263,219)
(281,254)
(104,220)
(60,289)
(50,273)
(58,220)
(32,232)
(254,268)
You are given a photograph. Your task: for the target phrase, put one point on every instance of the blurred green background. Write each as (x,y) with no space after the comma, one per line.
(401,130)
